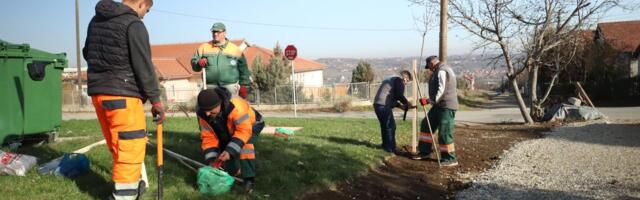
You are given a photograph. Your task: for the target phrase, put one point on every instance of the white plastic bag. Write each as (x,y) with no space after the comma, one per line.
(16,164)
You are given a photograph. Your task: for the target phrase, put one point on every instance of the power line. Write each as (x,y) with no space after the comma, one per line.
(619,17)
(623,15)
(284,25)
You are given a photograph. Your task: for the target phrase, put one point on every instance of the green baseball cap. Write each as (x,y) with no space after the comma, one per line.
(218,26)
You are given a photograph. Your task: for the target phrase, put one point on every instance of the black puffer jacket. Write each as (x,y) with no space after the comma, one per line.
(118,54)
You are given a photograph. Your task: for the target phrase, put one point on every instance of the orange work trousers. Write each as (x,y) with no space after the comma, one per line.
(124,128)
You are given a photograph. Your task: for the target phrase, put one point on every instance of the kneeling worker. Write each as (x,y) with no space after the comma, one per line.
(228,129)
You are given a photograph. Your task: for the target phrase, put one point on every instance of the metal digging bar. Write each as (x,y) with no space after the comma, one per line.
(184,160)
(434,137)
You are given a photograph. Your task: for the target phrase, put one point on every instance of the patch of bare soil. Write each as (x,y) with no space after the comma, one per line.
(477,147)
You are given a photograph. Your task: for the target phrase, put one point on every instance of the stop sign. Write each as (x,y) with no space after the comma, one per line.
(290,52)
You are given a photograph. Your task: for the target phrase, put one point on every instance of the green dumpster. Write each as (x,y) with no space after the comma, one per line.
(30,92)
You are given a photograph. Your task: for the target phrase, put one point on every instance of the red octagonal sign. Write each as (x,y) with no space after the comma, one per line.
(290,52)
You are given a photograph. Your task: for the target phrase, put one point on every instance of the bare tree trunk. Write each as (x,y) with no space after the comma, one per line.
(523,108)
(535,105)
(512,75)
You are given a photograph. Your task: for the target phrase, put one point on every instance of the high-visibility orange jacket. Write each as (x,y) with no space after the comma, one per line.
(230,130)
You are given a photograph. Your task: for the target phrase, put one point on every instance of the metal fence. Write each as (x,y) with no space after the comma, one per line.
(283,94)
(279,95)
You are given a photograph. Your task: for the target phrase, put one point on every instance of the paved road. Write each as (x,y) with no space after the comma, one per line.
(500,109)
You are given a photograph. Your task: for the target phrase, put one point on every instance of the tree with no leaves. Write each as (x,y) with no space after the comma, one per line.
(529,34)
(552,29)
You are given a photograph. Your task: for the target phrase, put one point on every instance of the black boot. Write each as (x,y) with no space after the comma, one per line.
(142,187)
(248,184)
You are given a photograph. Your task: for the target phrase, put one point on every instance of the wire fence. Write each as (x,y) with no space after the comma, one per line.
(180,98)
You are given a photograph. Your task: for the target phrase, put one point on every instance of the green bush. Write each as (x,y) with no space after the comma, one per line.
(342,104)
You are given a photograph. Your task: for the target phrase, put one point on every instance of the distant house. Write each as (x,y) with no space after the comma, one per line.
(623,37)
(635,64)
(70,86)
(173,64)
(308,73)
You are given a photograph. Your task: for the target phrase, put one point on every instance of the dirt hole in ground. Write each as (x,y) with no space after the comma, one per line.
(477,147)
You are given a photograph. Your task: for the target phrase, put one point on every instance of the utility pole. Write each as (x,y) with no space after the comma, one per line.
(78,62)
(444,8)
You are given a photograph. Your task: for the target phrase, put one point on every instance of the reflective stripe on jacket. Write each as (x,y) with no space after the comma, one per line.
(240,122)
(226,64)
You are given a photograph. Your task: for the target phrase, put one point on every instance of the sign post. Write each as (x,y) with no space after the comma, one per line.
(290,52)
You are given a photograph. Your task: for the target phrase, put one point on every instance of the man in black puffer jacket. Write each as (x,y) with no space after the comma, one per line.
(121,78)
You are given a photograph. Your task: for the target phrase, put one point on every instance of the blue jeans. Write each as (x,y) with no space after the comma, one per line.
(387,127)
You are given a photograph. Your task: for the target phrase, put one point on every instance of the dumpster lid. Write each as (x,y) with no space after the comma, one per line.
(11,50)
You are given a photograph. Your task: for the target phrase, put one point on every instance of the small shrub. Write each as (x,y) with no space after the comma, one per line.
(326,95)
(342,104)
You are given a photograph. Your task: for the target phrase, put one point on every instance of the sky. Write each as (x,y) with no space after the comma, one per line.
(319,29)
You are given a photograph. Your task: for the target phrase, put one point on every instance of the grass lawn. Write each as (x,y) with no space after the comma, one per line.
(323,153)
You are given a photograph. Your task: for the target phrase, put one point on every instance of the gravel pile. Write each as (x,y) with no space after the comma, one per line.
(580,161)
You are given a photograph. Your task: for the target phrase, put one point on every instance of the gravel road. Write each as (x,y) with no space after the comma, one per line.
(580,161)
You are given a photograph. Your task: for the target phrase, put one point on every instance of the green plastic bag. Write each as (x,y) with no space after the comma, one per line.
(284,133)
(212,181)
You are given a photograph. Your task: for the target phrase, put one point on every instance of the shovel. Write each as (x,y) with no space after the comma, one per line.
(204,78)
(160,160)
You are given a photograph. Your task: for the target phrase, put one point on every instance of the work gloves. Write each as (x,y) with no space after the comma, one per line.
(243,92)
(424,101)
(203,62)
(216,164)
(157,110)
(224,156)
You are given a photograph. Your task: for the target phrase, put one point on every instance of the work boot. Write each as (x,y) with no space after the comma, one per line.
(142,188)
(448,163)
(248,184)
(421,157)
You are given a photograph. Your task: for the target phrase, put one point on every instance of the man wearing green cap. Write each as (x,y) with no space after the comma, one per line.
(224,63)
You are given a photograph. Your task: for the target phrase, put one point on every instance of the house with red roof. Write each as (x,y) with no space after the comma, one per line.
(623,37)
(181,83)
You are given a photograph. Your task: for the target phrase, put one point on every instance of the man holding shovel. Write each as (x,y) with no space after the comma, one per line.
(222,61)
(121,77)
(390,92)
(227,132)
(443,96)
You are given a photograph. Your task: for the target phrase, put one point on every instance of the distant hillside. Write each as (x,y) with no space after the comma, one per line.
(339,69)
